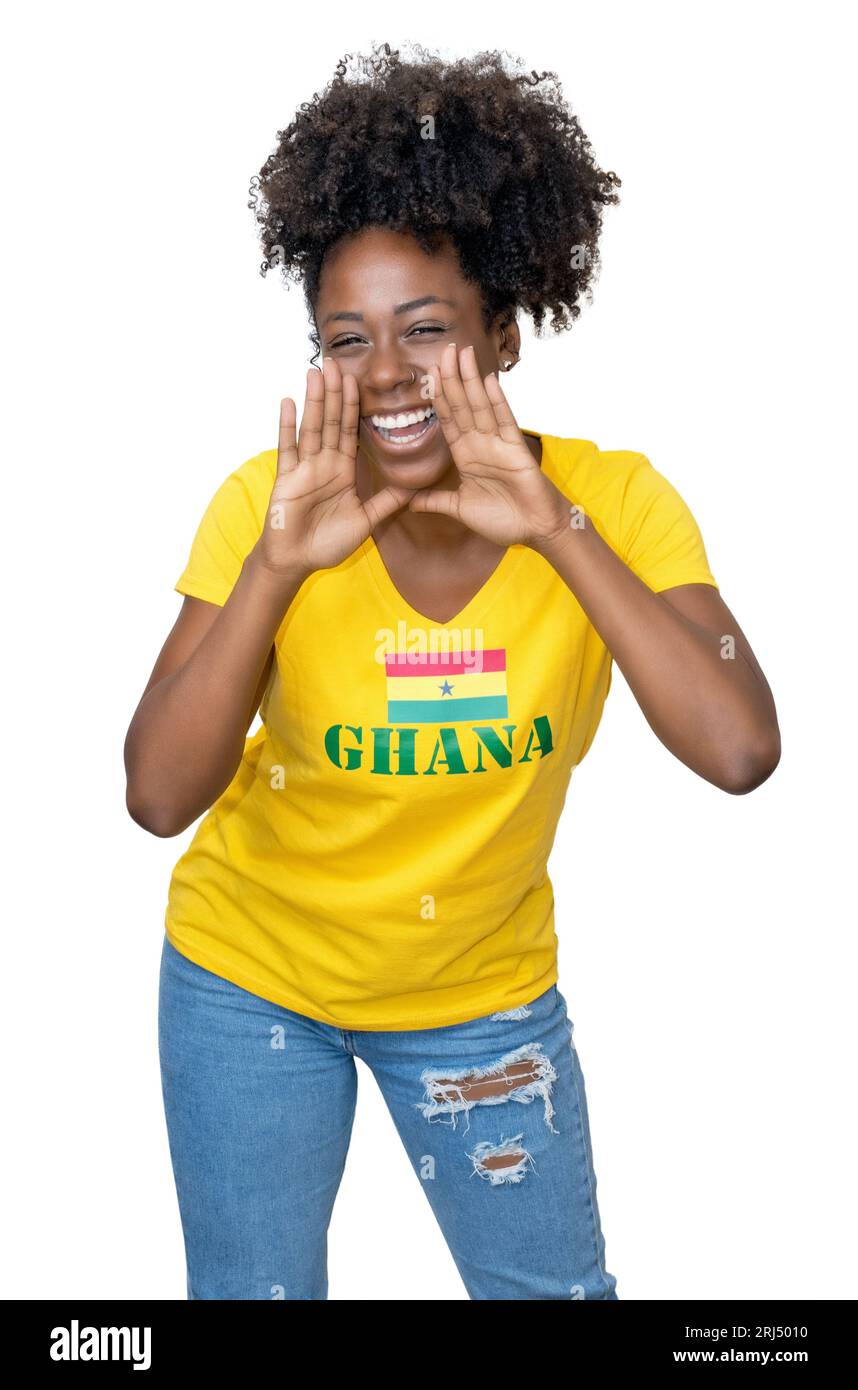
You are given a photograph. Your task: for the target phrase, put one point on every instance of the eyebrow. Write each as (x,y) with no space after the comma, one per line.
(399,309)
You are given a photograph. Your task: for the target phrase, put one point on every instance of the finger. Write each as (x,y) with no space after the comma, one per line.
(310,433)
(333,404)
(383,504)
(506,422)
(350,426)
(475,391)
(287,448)
(448,425)
(438,500)
(454,390)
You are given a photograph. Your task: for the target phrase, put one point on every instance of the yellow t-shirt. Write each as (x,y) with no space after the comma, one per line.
(379,859)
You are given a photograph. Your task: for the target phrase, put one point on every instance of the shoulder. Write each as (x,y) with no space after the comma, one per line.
(250,484)
(229,528)
(601,475)
(612,485)
(634,507)
(236,509)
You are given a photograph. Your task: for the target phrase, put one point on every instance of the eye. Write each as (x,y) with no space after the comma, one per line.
(420,328)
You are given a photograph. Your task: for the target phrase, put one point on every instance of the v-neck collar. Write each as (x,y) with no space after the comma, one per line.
(479,602)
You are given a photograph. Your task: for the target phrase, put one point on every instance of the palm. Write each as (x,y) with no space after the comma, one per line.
(315,516)
(502,492)
(326,517)
(501,488)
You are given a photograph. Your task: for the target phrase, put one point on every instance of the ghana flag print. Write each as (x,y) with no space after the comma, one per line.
(445,688)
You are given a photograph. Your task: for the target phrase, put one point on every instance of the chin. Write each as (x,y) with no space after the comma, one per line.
(421,466)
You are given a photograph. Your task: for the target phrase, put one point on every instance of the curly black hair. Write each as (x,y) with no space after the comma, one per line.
(493,159)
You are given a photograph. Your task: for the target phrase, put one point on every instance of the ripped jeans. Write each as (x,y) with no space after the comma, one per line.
(260,1101)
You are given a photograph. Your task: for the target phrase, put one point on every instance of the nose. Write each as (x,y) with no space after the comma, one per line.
(385,374)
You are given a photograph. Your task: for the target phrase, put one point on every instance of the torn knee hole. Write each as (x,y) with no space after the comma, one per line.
(500,1163)
(503,1160)
(478,1088)
(520,1076)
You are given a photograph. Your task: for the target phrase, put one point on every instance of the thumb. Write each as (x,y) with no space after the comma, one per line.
(383,504)
(439,500)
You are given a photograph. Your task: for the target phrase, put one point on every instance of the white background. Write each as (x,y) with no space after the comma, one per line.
(707,941)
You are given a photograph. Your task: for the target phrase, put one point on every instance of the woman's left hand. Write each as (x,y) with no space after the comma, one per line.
(503,493)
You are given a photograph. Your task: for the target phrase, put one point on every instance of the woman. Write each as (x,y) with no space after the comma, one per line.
(423,602)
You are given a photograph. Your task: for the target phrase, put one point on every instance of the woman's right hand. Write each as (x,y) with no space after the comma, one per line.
(315,517)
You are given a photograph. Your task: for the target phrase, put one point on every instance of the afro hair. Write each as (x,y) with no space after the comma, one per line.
(475,150)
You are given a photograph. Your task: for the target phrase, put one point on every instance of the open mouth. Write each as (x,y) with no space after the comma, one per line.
(405,428)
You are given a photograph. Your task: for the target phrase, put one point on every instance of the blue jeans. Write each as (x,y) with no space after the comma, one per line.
(260,1102)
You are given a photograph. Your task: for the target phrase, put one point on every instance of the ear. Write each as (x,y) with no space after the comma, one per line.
(505,334)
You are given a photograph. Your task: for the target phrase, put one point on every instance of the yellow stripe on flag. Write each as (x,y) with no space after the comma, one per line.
(474,684)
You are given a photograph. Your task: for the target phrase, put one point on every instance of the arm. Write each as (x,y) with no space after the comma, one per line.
(187,736)
(712,710)
(709,703)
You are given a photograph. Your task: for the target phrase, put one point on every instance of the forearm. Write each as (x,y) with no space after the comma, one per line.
(715,714)
(188,733)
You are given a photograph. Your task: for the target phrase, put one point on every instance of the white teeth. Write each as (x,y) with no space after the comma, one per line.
(397,422)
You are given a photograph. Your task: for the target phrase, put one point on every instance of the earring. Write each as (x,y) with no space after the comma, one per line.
(413,377)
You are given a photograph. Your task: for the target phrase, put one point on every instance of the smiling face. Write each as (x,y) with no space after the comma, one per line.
(385,311)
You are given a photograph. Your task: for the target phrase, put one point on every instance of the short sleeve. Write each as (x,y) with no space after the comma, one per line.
(659,538)
(228,531)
